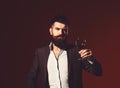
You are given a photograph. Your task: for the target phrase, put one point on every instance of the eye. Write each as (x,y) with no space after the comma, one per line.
(57,28)
(65,30)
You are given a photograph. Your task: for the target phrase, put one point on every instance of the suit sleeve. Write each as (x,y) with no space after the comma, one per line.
(94,68)
(33,73)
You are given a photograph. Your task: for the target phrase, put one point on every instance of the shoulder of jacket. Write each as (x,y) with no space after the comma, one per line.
(43,48)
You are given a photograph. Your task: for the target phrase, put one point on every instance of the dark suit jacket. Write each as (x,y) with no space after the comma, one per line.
(75,67)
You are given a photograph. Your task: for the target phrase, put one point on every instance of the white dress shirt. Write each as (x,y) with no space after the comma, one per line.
(58,70)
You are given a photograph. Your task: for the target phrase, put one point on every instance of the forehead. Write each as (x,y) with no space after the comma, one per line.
(59,25)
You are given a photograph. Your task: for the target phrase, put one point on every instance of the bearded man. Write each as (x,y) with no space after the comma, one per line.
(59,64)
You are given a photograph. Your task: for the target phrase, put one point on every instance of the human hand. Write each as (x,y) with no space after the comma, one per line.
(85,53)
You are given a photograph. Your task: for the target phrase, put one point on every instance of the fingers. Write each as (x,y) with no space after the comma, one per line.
(85,53)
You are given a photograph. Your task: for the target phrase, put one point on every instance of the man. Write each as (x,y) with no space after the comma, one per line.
(59,64)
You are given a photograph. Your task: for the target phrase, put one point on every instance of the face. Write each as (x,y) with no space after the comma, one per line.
(59,32)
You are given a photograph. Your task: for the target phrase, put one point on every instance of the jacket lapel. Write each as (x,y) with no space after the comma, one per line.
(45,55)
(69,61)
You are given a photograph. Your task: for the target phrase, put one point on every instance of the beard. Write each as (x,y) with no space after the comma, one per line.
(60,41)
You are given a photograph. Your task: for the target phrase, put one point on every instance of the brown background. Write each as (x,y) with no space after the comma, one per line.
(25,28)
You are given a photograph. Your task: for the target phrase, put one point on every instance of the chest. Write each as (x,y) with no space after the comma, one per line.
(60,62)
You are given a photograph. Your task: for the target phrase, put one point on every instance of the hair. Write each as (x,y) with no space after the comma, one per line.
(60,18)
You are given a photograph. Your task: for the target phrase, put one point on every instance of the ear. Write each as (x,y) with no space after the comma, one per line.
(67,30)
(50,31)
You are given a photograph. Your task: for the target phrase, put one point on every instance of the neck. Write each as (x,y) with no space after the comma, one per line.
(56,48)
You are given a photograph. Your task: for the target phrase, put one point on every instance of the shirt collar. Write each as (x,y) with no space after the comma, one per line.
(51,47)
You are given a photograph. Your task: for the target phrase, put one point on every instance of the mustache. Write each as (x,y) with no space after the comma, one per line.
(62,35)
